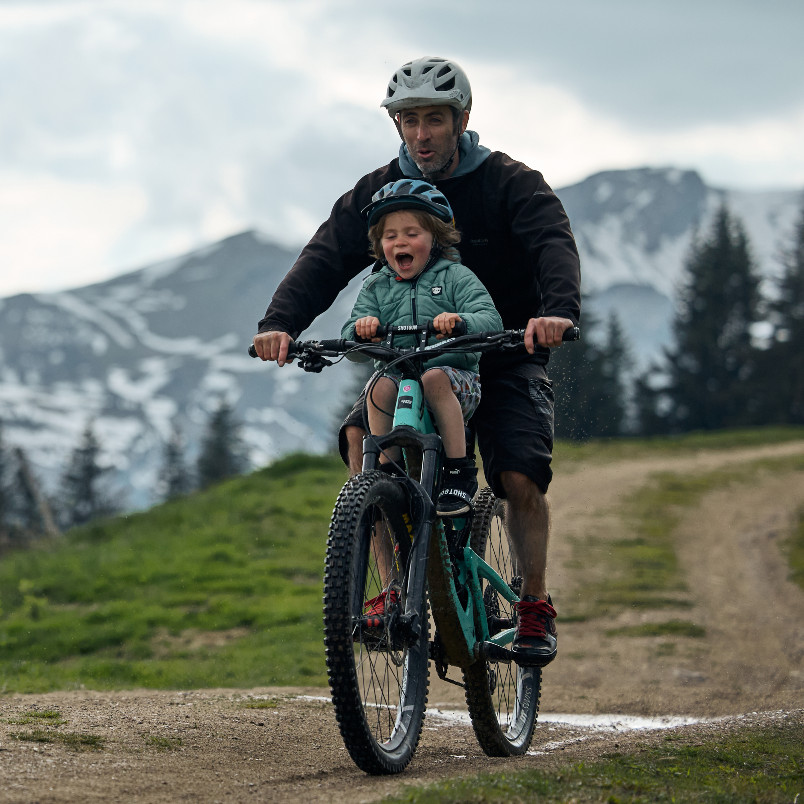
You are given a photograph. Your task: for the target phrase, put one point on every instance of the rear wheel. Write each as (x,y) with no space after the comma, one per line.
(377,666)
(502,698)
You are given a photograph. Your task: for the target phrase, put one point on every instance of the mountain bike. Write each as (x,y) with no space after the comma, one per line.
(386,542)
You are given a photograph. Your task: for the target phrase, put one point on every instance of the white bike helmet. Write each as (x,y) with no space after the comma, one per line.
(429,81)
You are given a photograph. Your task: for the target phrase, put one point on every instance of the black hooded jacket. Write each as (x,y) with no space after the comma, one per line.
(515,236)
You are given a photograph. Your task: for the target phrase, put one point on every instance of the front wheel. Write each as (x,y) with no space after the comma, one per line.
(377,665)
(502,698)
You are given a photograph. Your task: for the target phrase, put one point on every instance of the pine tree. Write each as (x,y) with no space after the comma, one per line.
(222,451)
(5,489)
(649,392)
(174,477)
(610,397)
(711,368)
(785,394)
(31,506)
(577,372)
(84,496)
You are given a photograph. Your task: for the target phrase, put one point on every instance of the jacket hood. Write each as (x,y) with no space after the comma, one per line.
(472,155)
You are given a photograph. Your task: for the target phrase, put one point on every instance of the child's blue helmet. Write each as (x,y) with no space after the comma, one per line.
(408,194)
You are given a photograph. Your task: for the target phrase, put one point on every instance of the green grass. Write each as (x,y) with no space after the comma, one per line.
(571,456)
(641,569)
(674,628)
(795,550)
(754,765)
(72,740)
(50,717)
(164,743)
(222,588)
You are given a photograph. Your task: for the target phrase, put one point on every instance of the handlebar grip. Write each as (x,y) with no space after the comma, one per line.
(382,330)
(571,334)
(458,330)
(292,351)
(332,345)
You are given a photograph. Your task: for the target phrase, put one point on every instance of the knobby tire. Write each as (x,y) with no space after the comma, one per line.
(502,698)
(379,680)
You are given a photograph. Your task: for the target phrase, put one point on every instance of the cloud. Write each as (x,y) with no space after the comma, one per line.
(649,65)
(133,131)
(60,229)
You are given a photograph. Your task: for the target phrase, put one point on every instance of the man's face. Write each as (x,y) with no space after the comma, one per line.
(431,138)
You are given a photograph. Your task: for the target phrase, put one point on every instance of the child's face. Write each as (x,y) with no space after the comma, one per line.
(406,244)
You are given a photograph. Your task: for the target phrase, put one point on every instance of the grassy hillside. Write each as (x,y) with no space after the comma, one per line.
(222,588)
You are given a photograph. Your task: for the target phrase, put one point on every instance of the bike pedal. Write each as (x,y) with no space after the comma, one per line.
(495,652)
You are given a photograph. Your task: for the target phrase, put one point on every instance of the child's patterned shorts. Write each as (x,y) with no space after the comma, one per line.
(465,385)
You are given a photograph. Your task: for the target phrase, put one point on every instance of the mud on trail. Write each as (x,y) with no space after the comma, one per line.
(214,745)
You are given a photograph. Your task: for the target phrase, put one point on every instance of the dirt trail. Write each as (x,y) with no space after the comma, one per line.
(207,746)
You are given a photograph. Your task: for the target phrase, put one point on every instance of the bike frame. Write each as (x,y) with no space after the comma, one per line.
(413,429)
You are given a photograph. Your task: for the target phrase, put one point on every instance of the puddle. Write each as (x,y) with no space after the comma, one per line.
(441,718)
(594,722)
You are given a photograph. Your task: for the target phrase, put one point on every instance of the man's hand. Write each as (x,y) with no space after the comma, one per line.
(546,331)
(366,328)
(273,346)
(444,323)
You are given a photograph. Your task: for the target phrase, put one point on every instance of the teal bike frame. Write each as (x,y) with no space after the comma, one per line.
(413,431)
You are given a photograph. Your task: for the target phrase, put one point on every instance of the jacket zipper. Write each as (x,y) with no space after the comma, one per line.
(413,300)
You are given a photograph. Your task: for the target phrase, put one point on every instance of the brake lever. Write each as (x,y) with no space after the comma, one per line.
(314,364)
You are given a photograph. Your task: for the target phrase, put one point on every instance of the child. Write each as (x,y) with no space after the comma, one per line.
(412,233)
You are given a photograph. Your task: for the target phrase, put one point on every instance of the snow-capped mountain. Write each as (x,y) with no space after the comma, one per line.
(162,344)
(634,229)
(156,346)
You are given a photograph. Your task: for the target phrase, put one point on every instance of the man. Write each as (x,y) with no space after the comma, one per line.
(515,236)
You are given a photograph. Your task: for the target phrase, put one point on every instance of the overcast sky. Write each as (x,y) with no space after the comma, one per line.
(136,130)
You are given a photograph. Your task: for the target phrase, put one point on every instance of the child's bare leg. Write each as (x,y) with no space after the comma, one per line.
(460,473)
(382,399)
(381,402)
(446,412)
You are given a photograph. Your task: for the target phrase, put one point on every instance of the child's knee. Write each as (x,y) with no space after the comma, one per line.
(435,379)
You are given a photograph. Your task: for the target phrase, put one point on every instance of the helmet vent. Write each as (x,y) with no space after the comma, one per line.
(428,82)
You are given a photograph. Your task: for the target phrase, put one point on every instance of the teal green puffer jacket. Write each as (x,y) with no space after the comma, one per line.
(444,287)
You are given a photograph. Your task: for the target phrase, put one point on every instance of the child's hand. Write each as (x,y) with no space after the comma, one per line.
(366,328)
(444,322)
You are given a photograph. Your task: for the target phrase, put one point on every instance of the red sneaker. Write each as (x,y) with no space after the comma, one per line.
(375,608)
(535,644)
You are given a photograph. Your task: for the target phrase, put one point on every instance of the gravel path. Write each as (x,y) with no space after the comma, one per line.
(213,745)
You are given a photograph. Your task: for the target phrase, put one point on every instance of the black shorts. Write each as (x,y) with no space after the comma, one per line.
(513,424)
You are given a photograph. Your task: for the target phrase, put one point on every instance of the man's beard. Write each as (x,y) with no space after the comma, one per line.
(435,169)
(430,169)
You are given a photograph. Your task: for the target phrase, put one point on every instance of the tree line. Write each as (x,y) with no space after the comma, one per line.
(736,357)
(85,491)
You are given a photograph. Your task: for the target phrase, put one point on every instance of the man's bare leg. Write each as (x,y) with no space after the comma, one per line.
(528,526)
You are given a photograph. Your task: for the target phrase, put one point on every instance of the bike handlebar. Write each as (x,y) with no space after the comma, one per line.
(312,354)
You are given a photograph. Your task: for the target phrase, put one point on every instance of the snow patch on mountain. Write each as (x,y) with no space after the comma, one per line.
(162,345)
